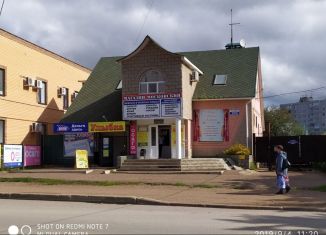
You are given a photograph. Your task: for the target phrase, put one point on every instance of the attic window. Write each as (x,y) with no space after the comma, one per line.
(220,79)
(119,87)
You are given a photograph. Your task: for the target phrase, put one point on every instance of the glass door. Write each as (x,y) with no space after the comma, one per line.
(153,142)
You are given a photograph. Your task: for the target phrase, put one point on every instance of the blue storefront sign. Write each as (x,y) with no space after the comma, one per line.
(70,127)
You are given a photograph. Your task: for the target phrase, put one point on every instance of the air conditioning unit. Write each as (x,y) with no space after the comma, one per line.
(36,127)
(62,91)
(29,82)
(195,76)
(38,84)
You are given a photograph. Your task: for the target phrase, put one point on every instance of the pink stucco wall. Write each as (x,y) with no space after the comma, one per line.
(237,127)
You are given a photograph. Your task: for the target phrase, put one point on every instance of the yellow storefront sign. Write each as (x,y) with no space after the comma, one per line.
(107,126)
(81,159)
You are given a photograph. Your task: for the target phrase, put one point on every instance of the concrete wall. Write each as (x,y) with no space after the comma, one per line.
(19,106)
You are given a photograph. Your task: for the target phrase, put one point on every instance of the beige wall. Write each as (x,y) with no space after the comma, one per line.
(188,89)
(19,107)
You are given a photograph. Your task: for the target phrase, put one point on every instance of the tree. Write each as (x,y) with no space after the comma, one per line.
(282,122)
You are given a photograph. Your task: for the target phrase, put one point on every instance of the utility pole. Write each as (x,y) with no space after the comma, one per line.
(3,2)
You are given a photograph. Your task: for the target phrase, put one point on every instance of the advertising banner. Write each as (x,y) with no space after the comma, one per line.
(70,127)
(211,124)
(0,155)
(75,141)
(133,138)
(12,155)
(151,106)
(81,159)
(107,126)
(32,155)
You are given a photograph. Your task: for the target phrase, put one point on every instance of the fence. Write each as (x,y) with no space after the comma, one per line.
(301,150)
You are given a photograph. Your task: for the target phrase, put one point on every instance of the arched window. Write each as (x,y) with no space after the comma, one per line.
(151,82)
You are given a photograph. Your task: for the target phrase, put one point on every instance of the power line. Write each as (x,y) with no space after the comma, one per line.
(294,92)
(3,2)
(141,28)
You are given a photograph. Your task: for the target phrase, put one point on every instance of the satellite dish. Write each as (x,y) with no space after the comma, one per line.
(242,43)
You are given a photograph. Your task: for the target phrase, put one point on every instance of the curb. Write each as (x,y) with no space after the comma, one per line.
(143,201)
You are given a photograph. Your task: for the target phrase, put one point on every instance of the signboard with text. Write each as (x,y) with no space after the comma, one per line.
(151,106)
(12,155)
(211,123)
(32,155)
(119,126)
(133,138)
(81,159)
(70,127)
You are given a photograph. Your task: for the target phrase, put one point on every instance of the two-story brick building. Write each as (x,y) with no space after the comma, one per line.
(177,105)
(36,87)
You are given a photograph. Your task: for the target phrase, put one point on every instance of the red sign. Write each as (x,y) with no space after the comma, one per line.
(133,138)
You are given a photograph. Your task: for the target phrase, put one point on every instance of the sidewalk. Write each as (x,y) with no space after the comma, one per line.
(234,188)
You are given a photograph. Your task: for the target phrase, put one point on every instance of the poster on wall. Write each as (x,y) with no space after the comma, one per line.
(81,159)
(12,155)
(211,125)
(75,141)
(32,155)
(174,135)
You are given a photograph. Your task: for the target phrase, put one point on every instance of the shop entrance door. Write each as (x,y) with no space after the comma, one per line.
(106,151)
(164,141)
(153,142)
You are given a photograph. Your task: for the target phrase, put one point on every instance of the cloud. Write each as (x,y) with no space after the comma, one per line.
(290,34)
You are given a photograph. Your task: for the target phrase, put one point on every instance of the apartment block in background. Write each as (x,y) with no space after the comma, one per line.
(310,113)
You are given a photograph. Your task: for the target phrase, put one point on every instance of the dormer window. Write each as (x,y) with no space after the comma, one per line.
(220,79)
(151,82)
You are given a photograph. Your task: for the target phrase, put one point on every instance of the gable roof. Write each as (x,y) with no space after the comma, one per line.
(99,94)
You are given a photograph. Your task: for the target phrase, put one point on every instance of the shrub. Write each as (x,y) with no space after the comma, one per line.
(320,166)
(237,149)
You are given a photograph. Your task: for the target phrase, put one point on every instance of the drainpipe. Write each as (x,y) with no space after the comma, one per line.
(247,125)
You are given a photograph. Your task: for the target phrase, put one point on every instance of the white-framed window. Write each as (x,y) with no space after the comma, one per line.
(151,82)
(220,79)
(2,82)
(42,93)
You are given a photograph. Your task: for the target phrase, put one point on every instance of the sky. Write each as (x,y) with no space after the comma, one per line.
(291,34)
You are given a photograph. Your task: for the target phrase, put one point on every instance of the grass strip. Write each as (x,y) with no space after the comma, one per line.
(321,188)
(46,181)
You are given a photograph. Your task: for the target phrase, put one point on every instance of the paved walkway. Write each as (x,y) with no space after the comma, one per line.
(242,188)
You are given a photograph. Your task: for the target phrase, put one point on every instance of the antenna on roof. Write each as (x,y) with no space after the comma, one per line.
(232,45)
(232,28)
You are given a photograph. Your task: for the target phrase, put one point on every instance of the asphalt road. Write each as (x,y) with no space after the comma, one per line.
(46,217)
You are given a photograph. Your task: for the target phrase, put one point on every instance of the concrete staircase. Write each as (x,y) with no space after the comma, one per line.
(169,165)
(204,164)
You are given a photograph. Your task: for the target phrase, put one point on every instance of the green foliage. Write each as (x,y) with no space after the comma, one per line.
(252,166)
(282,122)
(237,149)
(321,166)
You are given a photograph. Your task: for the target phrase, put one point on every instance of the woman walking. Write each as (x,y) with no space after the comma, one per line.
(282,177)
